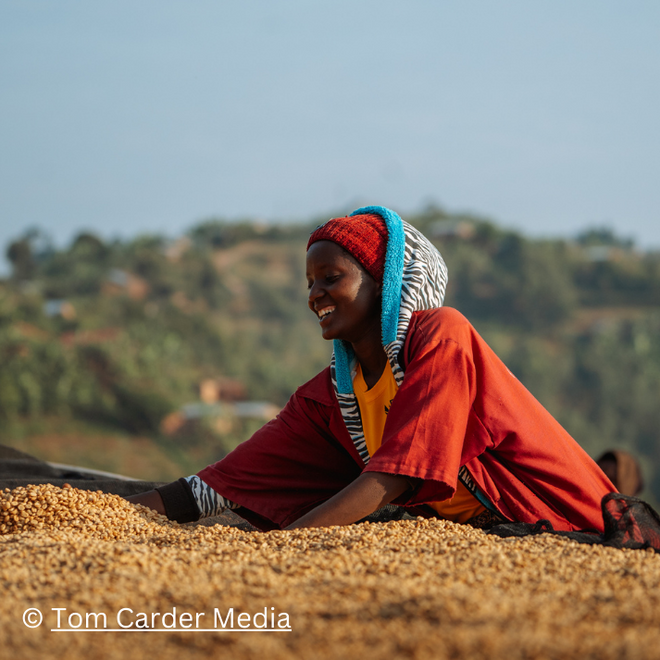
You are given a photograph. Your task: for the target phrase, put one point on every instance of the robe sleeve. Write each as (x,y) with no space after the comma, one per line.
(289,466)
(431,415)
(460,406)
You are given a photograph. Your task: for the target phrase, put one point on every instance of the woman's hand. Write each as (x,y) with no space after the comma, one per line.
(369,492)
(151,499)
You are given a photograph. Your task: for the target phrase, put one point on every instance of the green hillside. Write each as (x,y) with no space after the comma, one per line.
(102,343)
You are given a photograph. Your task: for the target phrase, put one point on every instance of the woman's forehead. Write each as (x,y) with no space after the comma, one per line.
(327,253)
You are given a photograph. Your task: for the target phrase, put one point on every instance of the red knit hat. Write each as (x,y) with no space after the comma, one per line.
(362,236)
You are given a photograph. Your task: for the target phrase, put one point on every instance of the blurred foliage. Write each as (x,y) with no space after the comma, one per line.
(141,323)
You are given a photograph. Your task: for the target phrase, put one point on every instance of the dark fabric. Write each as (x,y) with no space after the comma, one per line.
(179,501)
(11,453)
(20,469)
(486,519)
(386,514)
(14,468)
(628,523)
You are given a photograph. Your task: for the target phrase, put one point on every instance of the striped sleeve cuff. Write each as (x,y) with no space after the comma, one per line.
(208,501)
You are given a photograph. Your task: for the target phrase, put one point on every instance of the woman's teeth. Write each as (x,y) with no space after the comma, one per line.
(324,312)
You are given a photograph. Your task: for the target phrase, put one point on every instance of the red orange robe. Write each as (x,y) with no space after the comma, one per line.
(458,405)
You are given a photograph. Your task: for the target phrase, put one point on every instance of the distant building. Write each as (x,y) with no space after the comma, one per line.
(220,415)
(176,249)
(452,229)
(122,282)
(241,409)
(598,252)
(86,337)
(221,389)
(30,331)
(256,410)
(602,253)
(61,308)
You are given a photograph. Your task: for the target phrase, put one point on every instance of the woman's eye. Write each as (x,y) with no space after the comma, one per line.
(328,279)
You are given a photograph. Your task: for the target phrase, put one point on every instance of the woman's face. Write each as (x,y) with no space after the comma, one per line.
(344,297)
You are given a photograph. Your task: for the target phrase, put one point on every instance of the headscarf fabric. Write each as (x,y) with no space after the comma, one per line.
(414,279)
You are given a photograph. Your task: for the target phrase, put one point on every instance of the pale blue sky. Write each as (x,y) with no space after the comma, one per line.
(125,117)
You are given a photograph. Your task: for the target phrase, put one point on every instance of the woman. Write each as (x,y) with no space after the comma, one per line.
(415,409)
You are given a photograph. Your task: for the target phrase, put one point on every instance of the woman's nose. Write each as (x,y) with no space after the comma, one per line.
(314,293)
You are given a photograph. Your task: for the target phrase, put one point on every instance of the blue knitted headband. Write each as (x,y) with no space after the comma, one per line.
(391,294)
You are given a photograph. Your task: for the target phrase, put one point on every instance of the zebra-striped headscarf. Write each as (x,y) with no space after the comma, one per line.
(415,279)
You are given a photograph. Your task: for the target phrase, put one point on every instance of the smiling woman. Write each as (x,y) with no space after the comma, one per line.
(415,409)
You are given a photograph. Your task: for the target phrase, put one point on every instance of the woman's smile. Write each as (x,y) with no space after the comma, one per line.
(324,313)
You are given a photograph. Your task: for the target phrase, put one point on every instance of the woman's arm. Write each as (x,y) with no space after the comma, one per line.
(369,492)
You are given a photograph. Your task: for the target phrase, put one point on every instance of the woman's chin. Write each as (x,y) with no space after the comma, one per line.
(329,333)
(326,328)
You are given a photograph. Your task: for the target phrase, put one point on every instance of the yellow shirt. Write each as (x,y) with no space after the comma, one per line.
(374,405)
